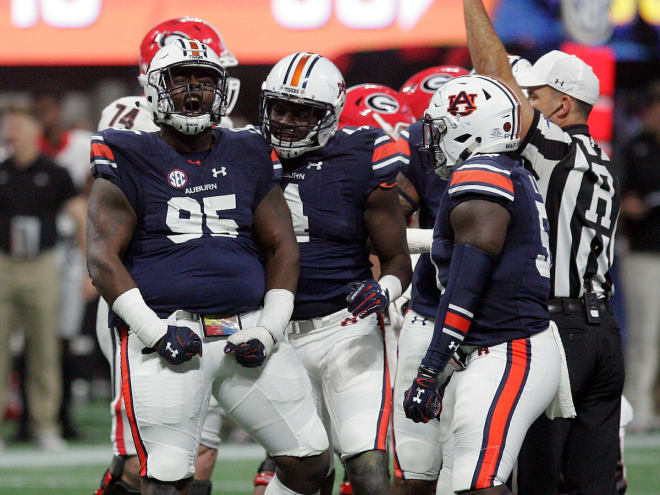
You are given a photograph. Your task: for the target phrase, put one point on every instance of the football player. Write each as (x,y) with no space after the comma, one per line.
(417,91)
(189,322)
(490,246)
(378,106)
(131,112)
(340,189)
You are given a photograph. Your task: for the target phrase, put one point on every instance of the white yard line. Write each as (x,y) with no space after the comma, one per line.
(82,456)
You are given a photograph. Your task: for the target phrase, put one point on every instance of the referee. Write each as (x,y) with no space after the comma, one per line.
(581,193)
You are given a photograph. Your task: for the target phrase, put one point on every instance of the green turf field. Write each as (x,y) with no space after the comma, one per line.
(78,471)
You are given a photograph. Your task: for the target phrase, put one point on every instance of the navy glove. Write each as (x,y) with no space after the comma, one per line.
(179,344)
(422,401)
(366,298)
(250,346)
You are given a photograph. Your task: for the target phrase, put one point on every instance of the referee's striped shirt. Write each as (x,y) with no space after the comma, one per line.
(581,194)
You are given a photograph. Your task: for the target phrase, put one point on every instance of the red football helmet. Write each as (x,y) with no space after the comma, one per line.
(188,28)
(418,90)
(378,106)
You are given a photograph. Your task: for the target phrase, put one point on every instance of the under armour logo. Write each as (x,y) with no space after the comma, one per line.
(173,352)
(418,397)
(417,319)
(222,171)
(561,83)
(316,165)
(453,346)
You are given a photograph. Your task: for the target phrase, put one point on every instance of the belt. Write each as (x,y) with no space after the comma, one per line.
(570,305)
(302,326)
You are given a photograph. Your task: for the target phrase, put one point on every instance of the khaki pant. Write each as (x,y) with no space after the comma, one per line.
(29,295)
(641,275)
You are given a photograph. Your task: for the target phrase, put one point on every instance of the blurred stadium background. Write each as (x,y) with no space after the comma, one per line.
(86,52)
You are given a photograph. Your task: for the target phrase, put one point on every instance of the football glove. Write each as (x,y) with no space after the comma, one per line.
(250,346)
(178,345)
(422,401)
(366,298)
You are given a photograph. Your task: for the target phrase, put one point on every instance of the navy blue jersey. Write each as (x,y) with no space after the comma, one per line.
(326,190)
(513,306)
(193,246)
(425,293)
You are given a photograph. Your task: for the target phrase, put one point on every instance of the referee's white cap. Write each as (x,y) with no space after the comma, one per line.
(565,73)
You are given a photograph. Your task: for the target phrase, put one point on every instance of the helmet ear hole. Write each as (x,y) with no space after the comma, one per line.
(462,138)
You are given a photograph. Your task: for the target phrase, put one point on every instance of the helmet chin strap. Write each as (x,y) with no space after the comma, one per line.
(467,152)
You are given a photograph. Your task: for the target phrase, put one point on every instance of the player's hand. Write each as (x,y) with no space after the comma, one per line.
(179,344)
(250,346)
(422,401)
(366,298)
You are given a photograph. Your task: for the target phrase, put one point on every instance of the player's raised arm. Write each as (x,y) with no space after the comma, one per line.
(489,57)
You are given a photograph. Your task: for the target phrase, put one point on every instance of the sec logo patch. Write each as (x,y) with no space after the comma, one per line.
(177,178)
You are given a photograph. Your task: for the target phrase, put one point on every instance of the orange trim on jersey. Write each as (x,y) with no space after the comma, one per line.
(387,185)
(404,146)
(492,178)
(386,405)
(457,321)
(128,403)
(388,149)
(502,413)
(274,157)
(299,68)
(100,149)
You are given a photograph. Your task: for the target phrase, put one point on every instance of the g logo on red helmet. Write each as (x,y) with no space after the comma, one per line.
(382,103)
(435,81)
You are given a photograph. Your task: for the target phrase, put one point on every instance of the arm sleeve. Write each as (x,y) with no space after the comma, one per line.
(545,145)
(109,163)
(387,158)
(476,180)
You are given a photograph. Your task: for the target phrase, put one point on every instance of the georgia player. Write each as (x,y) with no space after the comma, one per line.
(376,105)
(132,113)
(417,91)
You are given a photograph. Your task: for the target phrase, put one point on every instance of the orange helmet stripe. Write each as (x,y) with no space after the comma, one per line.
(299,68)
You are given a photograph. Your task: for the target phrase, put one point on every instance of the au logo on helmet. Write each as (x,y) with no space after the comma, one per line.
(462,98)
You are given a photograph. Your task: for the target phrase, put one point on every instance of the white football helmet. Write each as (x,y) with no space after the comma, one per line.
(184,54)
(470,115)
(309,80)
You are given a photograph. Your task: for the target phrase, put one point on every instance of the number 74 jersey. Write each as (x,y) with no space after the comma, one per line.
(514,304)
(194,246)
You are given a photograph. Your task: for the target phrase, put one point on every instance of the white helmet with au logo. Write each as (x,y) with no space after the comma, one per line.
(316,88)
(200,104)
(470,115)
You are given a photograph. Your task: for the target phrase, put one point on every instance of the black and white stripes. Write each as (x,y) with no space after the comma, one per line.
(581,193)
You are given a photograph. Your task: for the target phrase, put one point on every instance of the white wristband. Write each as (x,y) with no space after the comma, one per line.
(278,306)
(419,240)
(139,317)
(392,284)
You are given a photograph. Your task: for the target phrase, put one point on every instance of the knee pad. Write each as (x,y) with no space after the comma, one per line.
(168,466)
(200,487)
